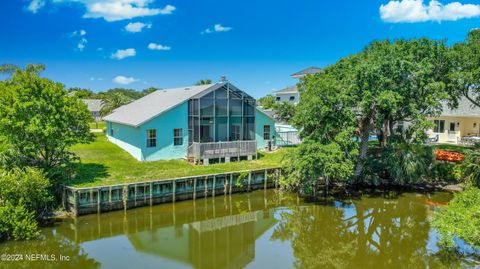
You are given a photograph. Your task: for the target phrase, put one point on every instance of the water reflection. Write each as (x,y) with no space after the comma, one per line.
(256,230)
(372,232)
(50,243)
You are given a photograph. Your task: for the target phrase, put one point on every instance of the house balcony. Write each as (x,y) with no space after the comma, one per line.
(218,150)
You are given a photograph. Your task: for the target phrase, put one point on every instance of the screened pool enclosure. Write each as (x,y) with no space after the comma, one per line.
(221,124)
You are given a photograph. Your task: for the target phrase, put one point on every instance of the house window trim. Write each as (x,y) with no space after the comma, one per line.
(265,133)
(151,142)
(177,137)
(437,126)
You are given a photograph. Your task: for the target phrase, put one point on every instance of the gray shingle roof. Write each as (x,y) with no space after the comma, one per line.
(291,89)
(94,105)
(465,109)
(154,104)
(307,71)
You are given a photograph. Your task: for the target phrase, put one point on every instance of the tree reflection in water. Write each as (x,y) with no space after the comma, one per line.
(51,242)
(372,232)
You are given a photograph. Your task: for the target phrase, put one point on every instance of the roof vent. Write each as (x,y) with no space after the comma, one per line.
(223,79)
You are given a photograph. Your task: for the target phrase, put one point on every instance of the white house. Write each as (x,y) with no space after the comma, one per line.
(291,94)
(457,125)
(94,106)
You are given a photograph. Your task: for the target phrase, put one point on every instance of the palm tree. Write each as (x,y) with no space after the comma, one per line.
(112,101)
(203,82)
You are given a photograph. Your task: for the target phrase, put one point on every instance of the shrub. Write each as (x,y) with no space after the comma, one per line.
(401,163)
(312,164)
(447,171)
(28,187)
(460,219)
(471,167)
(17,222)
(23,194)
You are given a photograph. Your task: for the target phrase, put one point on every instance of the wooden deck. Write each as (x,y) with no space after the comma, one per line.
(215,150)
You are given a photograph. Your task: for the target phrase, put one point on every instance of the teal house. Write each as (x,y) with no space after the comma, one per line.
(215,122)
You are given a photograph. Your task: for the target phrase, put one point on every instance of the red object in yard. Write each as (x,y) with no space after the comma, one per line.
(449,156)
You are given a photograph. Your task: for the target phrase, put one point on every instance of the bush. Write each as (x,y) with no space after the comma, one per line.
(28,187)
(400,163)
(446,171)
(17,222)
(312,164)
(460,219)
(471,167)
(23,195)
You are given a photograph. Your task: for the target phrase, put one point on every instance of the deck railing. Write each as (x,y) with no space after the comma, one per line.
(214,150)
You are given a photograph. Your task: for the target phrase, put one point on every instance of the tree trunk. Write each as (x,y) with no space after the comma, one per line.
(390,127)
(364,136)
(386,124)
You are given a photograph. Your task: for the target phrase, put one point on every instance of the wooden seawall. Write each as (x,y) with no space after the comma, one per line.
(82,201)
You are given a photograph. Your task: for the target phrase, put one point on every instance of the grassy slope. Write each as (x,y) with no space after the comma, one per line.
(103,163)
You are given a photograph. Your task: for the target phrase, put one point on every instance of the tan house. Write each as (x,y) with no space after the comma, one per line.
(457,125)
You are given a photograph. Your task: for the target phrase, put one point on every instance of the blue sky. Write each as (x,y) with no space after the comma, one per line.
(256,44)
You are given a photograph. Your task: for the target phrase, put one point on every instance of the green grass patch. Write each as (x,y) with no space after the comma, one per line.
(98,125)
(104,163)
(457,148)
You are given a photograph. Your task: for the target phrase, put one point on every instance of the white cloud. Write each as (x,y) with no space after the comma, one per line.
(216,28)
(120,54)
(136,27)
(78,33)
(115,10)
(154,46)
(35,5)
(83,40)
(124,80)
(418,11)
(82,43)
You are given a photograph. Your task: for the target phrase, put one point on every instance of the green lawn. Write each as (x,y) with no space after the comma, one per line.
(98,125)
(103,163)
(449,147)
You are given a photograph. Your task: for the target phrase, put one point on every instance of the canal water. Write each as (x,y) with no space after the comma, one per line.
(262,229)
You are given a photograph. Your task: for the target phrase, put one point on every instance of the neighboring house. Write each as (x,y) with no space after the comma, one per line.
(307,71)
(205,122)
(94,106)
(291,94)
(455,124)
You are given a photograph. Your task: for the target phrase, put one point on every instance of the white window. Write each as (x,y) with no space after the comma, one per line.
(266,132)
(151,138)
(177,136)
(439,126)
